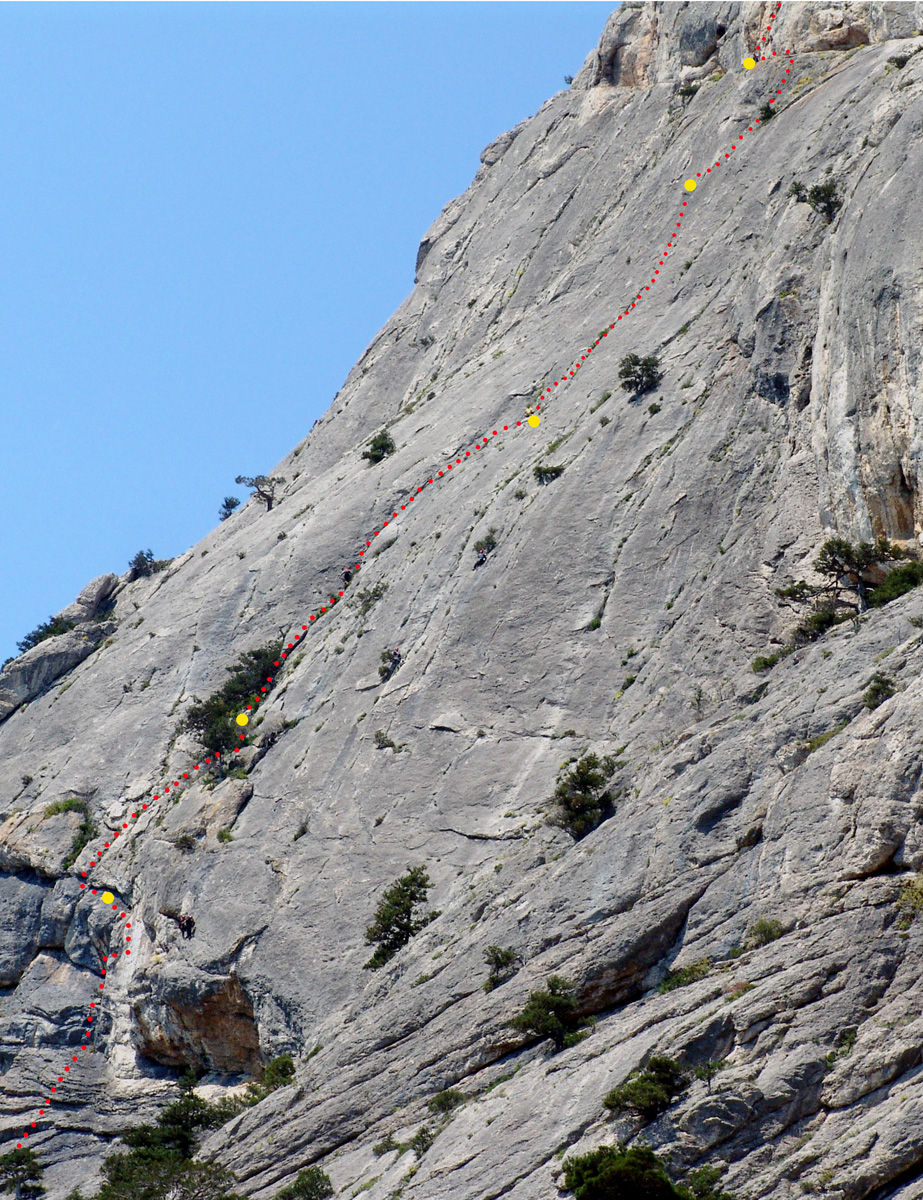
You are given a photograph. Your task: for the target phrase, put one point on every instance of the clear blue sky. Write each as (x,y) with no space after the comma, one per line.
(208,210)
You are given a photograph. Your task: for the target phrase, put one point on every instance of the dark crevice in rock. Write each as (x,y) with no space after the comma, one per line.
(912,1174)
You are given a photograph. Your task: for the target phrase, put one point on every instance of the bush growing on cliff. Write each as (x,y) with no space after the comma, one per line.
(639,375)
(53,627)
(551,1014)
(85,833)
(845,569)
(228,504)
(649,1091)
(396,917)
(264,487)
(822,197)
(502,963)
(635,1173)
(212,721)
(381,445)
(278,1072)
(685,975)
(446,1101)
(21,1172)
(900,581)
(546,474)
(618,1173)
(910,901)
(144,563)
(762,932)
(581,799)
(311,1184)
(880,688)
(160,1163)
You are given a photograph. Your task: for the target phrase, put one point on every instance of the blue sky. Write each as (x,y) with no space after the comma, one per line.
(208,210)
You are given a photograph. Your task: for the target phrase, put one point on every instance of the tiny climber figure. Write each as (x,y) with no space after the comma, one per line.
(480,560)
(395,659)
(186,926)
(530,411)
(347,576)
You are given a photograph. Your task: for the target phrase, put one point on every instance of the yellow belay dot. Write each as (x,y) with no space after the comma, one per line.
(535,420)
(689,185)
(242,719)
(108,897)
(749,63)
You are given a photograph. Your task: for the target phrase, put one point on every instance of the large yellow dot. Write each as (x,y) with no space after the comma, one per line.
(689,185)
(108,897)
(534,420)
(243,719)
(749,63)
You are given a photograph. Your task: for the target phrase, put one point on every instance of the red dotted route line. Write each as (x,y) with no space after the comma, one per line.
(566,377)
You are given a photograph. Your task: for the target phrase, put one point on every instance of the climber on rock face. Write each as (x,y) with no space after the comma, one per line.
(347,576)
(480,560)
(186,926)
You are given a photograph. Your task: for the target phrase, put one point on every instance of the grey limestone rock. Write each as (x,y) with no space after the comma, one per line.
(620,611)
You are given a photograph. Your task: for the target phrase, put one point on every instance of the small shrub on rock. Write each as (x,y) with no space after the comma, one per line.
(381,445)
(20,1172)
(386,1145)
(551,1014)
(823,198)
(445,1102)
(707,1071)
(649,1091)
(396,920)
(910,901)
(367,597)
(762,932)
(686,975)
(502,963)
(86,831)
(264,487)
(144,563)
(212,721)
(880,688)
(488,543)
(311,1184)
(422,1140)
(581,798)
(228,504)
(639,375)
(899,581)
(618,1173)
(701,1184)
(547,474)
(278,1072)
(53,627)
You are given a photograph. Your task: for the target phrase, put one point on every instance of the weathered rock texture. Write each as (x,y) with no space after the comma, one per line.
(789,410)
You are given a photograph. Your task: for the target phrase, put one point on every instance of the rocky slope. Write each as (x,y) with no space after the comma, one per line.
(788,411)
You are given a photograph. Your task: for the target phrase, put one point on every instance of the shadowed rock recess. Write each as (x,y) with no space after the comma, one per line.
(763,826)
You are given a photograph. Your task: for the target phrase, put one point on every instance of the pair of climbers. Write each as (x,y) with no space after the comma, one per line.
(186,925)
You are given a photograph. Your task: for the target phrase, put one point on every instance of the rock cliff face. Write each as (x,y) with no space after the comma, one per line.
(619,613)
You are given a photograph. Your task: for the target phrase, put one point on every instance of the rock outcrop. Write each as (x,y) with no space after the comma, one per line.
(619,613)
